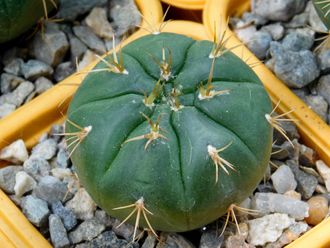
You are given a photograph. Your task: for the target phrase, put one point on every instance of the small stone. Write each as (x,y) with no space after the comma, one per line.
(77,48)
(252,18)
(37,167)
(42,84)
(18,96)
(67,216)
(321,189)
(276,30)
(103,217)
(24,183)
(306,182)
(210,239)
(314,19)
(293,194)
(307,156)
(324,59)
(14,67)
(62,158)
(57,232)
(97,20)
(46,149)
(61,173)
(82,205)
(150,241)
(35,209)
(270,226)
(9,82)
(298,41)
(35,68)
(246,33)
(87,230)
(277,203)
(50,189)
(125,230)
(51,47)
(6,109)
(281,152)
(281,10)
(170,240)
(296,69)
(324,172)
(283,180)
(318,210)
(8,178)
(298,21)
(259,44)
(323,87)
(109,239)
(88,58)
(63,70)
(125,15)
(236,241)
(319,105)
(16,152)
(86,35)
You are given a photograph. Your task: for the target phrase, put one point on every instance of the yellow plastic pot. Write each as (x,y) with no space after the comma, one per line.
(186,4)
(314,131)
(37,117)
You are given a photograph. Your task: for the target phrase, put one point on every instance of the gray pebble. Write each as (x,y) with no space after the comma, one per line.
(296,69)
(50,189)
(97,20)
(283,179)
(210,239)
(298,21)
(324,59)
(57,232)
(267,203)
(109,239)
(9,82)
(307,156)
(252,18)
(42,84)
(319,105)
(19,95)
(86,35)
(67,216)
(291,132)
(77,48)
(125,230)
(63,70)
(62,158)
(37,167)
(150,241)
(280,10)
(51,47)
(306,182)
(35,209)
(36,68)
(276,30)
(173,240)
(13,53)
(7,178)
(14,67)
(46,149)
(297,41)
(259,44)
(6,109)
(86,231)
(323,87)
(282,152)
(103,217)
(15,153)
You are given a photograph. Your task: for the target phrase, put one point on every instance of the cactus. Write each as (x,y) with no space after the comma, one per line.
(169,132)
(323,10)
(17,16)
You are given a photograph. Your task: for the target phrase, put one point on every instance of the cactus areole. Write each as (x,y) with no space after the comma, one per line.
(17,16)
(170,132)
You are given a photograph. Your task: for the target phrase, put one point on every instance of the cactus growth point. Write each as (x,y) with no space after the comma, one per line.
(323,10)
(174,141)
(17,16)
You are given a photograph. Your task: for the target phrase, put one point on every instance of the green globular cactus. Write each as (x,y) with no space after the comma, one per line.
(17,16)
(323,10)
(169,132)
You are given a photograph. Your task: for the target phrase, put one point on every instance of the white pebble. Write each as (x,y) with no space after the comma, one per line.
(24,183)
(324,171)
(16,152)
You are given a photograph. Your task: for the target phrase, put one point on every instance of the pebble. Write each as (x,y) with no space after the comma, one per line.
(298,41)
(125,15)
(109,239)
(318,210)
(298,21)
(23,183)
(276,30)
(9,82)
(63,70)
(97,20)
(319,105)
(14,67)
(87,230)
(86,35)
(77,48)
(170,240)
(37,167)
(8,178)
(18,96)
(323,87)
(306,182)
(50,189)
(295,69)
(42,84)
(252,18)
(103,217)
(324,59)
(36,68)
(246,34)
(270,226)
(6,109)
(88,58)
(62,158)
(282,151)
(210,239)
(15,153)
(278,203)
(58,234)
(280,10)
(236,241)
(259,44)
(293,194)
(307,156)
(61,173)
(51,47)
(82,205)
(46,149)
(283,179)
(35,209)
(124,230)
(67,216)
(324,172)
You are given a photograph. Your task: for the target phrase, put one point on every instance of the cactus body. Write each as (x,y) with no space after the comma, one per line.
(323,10)
(17,16)
(173,174)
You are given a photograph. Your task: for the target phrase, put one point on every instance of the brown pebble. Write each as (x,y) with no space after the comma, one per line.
(318,209)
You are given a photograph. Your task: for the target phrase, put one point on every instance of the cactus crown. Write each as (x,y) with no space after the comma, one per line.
(177,139)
